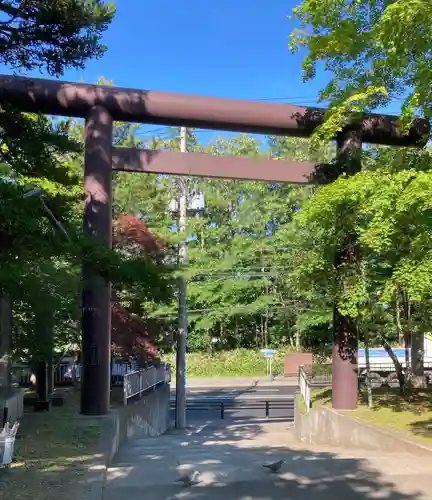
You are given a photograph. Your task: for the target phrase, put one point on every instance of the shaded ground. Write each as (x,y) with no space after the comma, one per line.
(230,461)
(410,414)
(52,452)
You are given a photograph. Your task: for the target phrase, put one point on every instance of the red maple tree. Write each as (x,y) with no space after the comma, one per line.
(132,335)
(131,232)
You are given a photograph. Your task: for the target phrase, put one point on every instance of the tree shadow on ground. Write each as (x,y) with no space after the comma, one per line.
(416,401)
(422,428)
(230,461)
(321,397)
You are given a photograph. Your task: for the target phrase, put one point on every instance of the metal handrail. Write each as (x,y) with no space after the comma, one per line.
(304,387)
(139,381)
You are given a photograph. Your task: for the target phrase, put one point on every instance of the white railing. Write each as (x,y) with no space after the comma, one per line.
(139,381)
(65,373)
(304,387)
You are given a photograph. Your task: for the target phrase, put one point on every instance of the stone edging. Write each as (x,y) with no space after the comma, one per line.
(391,433)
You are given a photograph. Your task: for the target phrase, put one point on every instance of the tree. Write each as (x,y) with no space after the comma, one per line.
(238,290)
(52,35)
(375,51)
(49,35)
(132,335)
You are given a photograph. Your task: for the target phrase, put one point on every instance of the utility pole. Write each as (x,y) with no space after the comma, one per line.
(183,318)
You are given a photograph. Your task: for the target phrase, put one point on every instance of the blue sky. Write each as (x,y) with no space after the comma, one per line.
(230,49)
(233,48)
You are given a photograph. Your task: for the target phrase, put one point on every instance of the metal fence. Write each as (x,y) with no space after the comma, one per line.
(137,382)
(65,373)
(229,406)
(319,374)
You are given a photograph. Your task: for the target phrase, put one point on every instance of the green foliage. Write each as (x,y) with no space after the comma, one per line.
(374,51)
(371,231)
(248,295)
(236,363)
(271,259)
(53,34)
(39,267)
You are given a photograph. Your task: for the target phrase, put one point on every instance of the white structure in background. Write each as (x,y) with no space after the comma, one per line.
(196,204)
(382,366)
(428,345)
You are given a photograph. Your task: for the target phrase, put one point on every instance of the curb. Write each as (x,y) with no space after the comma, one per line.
(108,446)
(392,433)
(139,419)
(329,427)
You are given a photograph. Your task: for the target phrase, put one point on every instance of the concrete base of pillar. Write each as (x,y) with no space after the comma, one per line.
(12,404)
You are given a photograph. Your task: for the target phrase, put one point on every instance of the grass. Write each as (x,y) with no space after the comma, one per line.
(410,414)
(300,404)
(52,452)
(236,363)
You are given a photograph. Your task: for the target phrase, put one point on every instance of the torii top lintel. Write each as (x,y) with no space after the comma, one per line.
(55,97)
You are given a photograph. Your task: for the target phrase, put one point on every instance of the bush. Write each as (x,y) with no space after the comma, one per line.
(236,363)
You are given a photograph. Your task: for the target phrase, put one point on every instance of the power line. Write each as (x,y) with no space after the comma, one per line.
(304,101)
(269,307)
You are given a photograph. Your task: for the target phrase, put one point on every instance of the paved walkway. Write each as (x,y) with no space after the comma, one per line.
(230,462)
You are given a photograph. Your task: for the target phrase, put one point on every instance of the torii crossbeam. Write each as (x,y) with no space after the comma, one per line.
(101,105)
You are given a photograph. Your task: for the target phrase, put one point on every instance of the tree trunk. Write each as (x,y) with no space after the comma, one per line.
(368,370)
(297,340)
(418,379)
(398,320)
(41,380)
(344,363)
(50,375)
(5,343)
(74,372)
(397,365)
(346,265)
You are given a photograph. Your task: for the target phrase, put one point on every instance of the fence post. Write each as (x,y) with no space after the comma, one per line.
(140,383)
(267,408)
(125,383)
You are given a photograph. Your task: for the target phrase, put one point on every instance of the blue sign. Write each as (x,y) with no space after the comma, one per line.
(268,353)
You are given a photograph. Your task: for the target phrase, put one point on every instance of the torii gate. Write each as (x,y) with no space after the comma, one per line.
(101,105)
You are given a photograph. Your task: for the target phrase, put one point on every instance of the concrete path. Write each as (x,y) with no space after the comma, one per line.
(230,461)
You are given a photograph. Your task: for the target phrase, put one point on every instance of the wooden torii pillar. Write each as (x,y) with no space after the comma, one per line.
(102,105)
